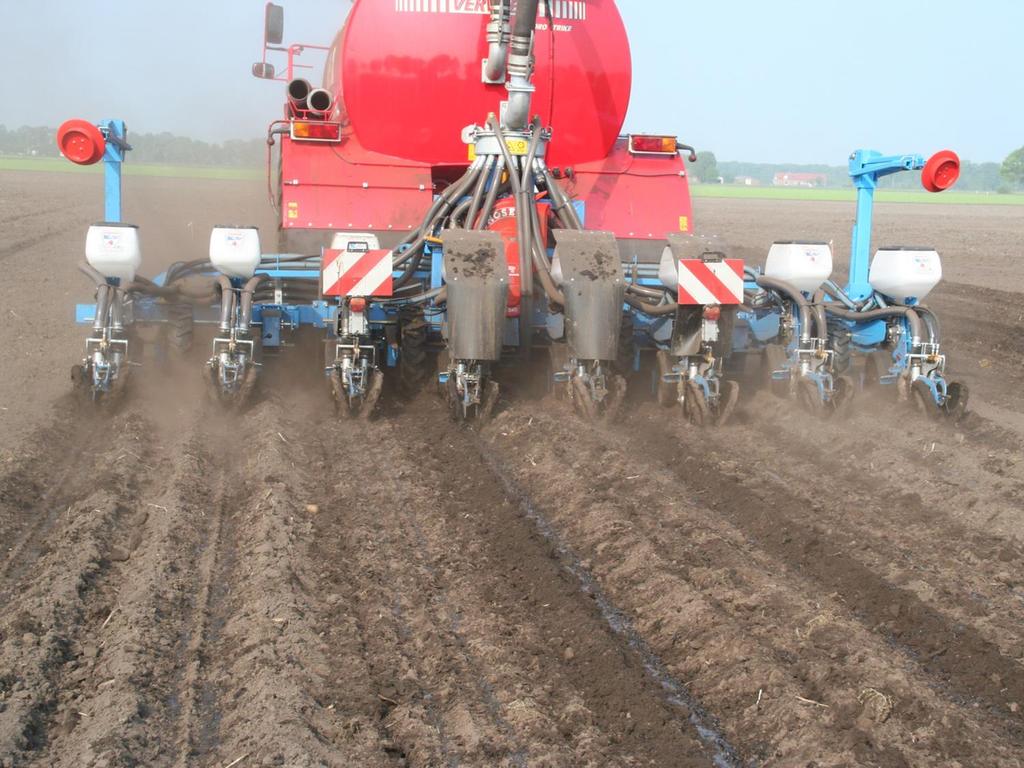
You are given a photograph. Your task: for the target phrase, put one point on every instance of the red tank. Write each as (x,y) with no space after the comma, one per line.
(407,75)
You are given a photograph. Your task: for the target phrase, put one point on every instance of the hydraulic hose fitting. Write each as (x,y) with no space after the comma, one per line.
(499,32)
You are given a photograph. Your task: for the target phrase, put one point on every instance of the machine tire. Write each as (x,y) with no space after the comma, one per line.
(180,327)
(369,405)
(728,396)
(809,397)
(842,398)
(922,400)
(412,364)
(490,399)
(957,397)
(582,400)
(695,405)
(616,397)
(840,341)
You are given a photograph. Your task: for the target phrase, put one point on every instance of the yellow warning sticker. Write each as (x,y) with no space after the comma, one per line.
(472,152)
(518,146)
(293,210)
(684,223)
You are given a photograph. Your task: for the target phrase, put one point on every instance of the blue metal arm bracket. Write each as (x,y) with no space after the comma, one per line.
(115,133)
(866,168)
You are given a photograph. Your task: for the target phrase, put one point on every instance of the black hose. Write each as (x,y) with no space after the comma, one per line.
(931,320)
(651,309)
(478,193)
(525,23)
(492,197)
(914,320)
(245,315)
(441,209)
(523,222)
(103,291)
(117,309)
(227,302)
(562,206)
(793,294)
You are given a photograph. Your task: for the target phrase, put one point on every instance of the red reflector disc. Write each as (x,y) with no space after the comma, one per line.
(81,142)
(357,305)
(712,313)
(941,171)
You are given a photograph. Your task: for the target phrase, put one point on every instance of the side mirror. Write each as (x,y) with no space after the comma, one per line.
(263,70)
(273,31)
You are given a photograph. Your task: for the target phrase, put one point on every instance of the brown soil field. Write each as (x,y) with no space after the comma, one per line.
(185,587)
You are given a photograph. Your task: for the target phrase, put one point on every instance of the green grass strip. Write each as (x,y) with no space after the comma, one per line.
(60,165)
(850,195)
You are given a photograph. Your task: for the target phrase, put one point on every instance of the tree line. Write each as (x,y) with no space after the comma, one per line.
(974,177)
(155,148)
(169,149)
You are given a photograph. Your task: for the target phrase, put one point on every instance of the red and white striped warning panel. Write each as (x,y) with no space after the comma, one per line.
(357,273)
(703,282)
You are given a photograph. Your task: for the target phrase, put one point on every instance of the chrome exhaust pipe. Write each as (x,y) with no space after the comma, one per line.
(298,94)
(320,102)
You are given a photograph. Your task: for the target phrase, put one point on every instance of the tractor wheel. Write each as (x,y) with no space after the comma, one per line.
(179,328)
(842,398)
(840,342)
(413,369)
(957,396)
(490,400)
(695,405)
(372,395)
(923,401)
(728,396)
(616,397)
(581,398)
(809,397)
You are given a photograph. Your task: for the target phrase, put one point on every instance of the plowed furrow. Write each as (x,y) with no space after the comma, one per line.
(914,483)
(782,658)
(50,623)
(783,525)
(526,669)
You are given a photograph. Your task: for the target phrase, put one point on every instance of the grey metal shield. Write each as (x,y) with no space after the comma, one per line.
(594,291)
(476,275)
(705,247)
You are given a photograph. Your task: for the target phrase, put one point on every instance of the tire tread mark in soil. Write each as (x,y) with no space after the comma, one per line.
(200,711)
(448,752)
(510,586)
(707,728)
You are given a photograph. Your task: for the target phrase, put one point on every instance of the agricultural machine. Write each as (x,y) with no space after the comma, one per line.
(455,202)
(808,330)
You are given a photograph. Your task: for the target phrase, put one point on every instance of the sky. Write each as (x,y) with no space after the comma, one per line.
(796,81)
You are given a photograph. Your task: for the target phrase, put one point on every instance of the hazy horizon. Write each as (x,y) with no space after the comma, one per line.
(781,83)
